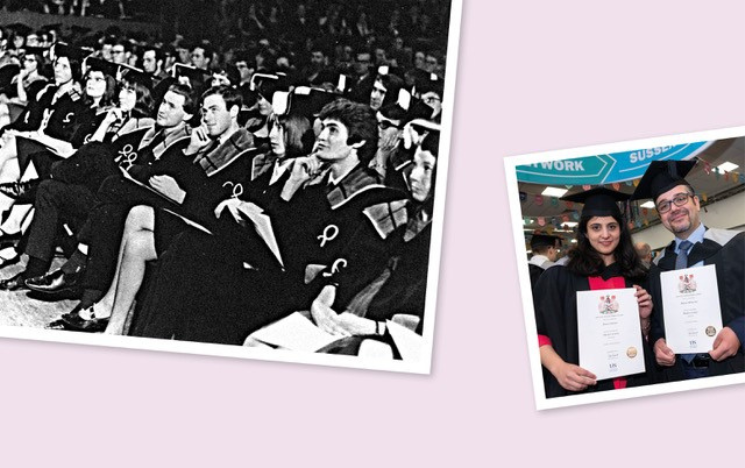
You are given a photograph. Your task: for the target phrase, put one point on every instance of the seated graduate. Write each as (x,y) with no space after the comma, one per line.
(37,151)
(92,265)
(605,258)
(53,114)
(214,291)
(391,122)
(211,167)
(29,81)
(398,293)
(69,193)
(122,120)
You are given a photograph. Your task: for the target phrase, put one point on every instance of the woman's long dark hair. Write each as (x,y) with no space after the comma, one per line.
(144,102)
(586,261)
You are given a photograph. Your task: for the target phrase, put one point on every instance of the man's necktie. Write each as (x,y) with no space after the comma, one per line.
(682,260)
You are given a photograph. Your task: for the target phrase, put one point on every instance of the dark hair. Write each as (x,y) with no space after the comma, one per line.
(124,43)
(393,85)
(144,104)
(41,62)
(75,67)
(394,112)
(230,95)
(541,249)
(190,106)
(431,143)
(299,137)
(231,73)
(361,124)
(159,54)
(209,50)
(109,94)
(586,261)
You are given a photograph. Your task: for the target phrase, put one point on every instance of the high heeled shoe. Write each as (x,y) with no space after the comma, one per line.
(73,321)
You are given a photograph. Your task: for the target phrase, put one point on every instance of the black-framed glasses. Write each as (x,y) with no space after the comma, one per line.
(679,200)
(386,124)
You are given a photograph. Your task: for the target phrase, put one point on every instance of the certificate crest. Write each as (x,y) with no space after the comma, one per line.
(608,305)
(687,284)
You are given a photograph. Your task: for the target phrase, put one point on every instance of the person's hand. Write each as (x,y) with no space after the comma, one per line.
(324,316)
(410,136)
(357,325)
(168,186)
(184,80)
(725,345)
(231,204)
(305,167)
(663,354)
(113,114)
(644,300)
(200,138)
(236,206)
(572,377)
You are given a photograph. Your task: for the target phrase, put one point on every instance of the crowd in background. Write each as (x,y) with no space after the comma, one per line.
(323,116)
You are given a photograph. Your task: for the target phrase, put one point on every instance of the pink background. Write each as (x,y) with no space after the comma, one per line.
(533,76)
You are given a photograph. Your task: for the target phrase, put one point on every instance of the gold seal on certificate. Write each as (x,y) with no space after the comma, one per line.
(690,300)
(609,331)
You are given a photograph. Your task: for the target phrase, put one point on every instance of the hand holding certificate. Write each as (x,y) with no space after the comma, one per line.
(610,337)
(693,316)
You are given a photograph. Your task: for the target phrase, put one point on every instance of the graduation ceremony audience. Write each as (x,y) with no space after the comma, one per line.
(266,158)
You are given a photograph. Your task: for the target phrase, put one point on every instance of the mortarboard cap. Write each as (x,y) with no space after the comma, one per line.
(308,102)
(661,176)
(544,240)
(197,77)
(599,201)
(99,64)
(35,50)
(266,84)
(19,29)
(65,50)
(135,75)
(427,83)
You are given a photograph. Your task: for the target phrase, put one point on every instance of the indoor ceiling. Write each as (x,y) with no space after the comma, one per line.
(715,187)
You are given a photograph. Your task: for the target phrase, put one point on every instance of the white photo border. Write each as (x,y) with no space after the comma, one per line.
(422,366)
(513,195)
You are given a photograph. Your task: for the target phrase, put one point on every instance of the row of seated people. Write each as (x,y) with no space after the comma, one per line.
(340,240)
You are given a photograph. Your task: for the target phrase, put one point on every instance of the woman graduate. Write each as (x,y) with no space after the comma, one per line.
(603,259)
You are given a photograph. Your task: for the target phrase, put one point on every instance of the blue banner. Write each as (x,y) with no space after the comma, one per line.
(605,168)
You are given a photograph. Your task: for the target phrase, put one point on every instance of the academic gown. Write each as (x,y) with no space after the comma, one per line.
(555,302)
(220,289)
(726,250)
(401,288)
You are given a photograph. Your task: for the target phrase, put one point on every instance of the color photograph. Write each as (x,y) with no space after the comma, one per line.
(631,266)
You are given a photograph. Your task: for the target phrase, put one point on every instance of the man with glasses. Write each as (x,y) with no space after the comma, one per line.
(120,52)
(695,245)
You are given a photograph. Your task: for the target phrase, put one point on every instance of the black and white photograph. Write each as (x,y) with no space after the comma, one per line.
(631,259)
(256,179)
